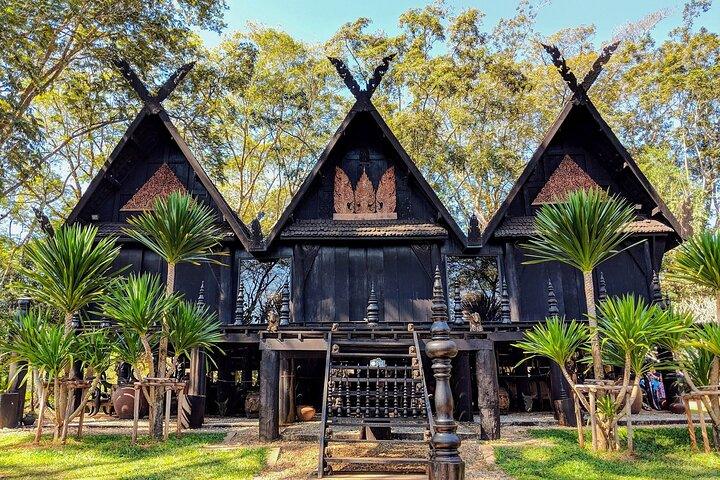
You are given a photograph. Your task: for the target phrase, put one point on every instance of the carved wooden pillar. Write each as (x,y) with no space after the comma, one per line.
(285,305)
(488,391)
(462,387)
(287,389)
(269,413)
(195,399)
(446,463)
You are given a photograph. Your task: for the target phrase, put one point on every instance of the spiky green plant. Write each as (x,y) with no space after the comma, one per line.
(583,231)
(180,230)
(556,339)
(138,304)
(129,348)
(192,326)
(69,270)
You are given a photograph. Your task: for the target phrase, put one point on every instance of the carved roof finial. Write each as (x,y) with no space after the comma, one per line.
(458,318)
(372,308)
(439,306)
(360,94)
(504,304)
(655,291)
(567,74)
(152,101)
(474,233)
(201,294)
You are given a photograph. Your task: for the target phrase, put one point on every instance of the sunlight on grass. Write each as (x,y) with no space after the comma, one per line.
(112,457)
(660,453)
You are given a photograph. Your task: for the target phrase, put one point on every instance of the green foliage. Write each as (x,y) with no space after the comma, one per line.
(192,326)
(697,261)
(42,343)
(128,348)
(555,339)
(71,269)
(582,232)
(94,349)
(179,229)
(707,337)
(138,303)
(697,363)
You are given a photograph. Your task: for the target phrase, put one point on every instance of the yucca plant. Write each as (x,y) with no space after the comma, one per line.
(583,231)
(192,326)
(180,230)
(698,263)
(69,270)
(48,348)
(139,304)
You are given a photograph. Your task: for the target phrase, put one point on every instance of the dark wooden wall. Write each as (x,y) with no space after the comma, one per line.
(331,283)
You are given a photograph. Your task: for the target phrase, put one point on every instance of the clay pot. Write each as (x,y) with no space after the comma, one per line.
(305,412)
(252,404)
(123,399)
(677,407)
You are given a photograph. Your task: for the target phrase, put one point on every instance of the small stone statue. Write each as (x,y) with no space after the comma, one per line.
(474,320)
(273,321)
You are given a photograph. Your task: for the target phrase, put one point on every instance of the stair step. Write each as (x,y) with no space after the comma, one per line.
(374,343)
(403,441)
(378,422)
(378,460)
(371,355)
(407,368)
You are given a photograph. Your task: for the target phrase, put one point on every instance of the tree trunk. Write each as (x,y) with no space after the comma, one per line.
(157,418)
(594,335)
(715,378)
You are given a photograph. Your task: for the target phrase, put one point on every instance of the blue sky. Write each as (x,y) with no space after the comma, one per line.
(316,20)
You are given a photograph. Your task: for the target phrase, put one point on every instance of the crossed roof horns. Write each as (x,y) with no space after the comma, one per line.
(569,77)
(363,95)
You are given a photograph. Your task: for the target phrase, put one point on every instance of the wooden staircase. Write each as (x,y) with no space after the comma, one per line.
(374,385)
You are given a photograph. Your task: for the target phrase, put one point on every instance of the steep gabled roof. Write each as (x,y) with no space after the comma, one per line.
(365,105)
(230,216)
(152,106)
(580,100)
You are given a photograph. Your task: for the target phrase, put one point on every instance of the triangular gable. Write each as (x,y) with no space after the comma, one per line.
(567,178)
(577,102)
(413,171)
(162,183)
(160,115)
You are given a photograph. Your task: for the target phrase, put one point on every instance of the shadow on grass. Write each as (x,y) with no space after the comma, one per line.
(113,457)
(660,453)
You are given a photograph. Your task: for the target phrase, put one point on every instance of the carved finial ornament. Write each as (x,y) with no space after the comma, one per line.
(362,95)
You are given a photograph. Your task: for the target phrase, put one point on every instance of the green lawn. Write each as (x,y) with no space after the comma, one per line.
(661,453)
(112,457)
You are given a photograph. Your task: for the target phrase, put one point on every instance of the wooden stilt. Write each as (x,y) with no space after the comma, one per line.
(691,425)
(168,396)
(628,415)
(579,422)
(593,420)
(136,413)
(703,430)
(82,418)
(178,422)
(68,411)
(41,417)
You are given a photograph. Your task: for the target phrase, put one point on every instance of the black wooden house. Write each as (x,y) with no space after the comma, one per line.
(352,262)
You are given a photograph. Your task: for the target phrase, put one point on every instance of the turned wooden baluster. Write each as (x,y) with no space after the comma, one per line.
(446,463)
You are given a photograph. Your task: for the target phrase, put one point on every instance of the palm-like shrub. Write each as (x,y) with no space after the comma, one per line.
(138,304)
(191,326)
(583,232)
(180,230)
(48,348)
(69,270)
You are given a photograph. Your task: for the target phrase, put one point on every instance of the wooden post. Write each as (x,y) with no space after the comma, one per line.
(286,394)
(445,463)
(593,420)
(180,402)
(196,389)
(628,413)
(703,429)
(462,387)
(269,412)
(41,417)
(561,395)
(691,425)
(488,390)
(81,419)
(579,422)
(168,398)
(136,413)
